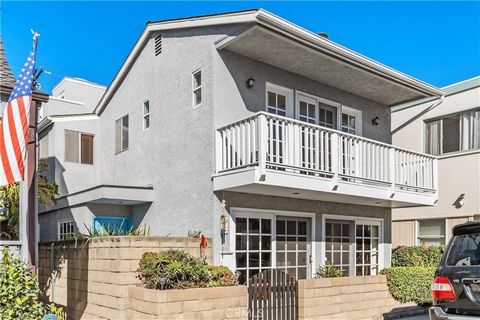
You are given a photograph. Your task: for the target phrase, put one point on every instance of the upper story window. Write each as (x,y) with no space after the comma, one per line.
(66,229)
(146,114)
(197,88)
(351,120)
(327,116)
(121,134)
(78,147)
(453,133)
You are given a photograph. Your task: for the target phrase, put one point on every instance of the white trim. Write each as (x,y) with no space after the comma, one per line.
(355,219)
(289,97)
(79,81)
(194,106)
(358,118)
(147,114)
(271,214)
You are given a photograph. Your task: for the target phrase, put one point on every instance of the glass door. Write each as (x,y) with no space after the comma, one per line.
(367,234)
(293,246)
(338,238)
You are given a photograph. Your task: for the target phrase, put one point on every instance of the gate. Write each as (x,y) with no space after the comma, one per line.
(272,295)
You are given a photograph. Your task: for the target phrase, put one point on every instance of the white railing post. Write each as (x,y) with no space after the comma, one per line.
(391,169)
(262,145)
(335,158)
(218,151)
(435,176)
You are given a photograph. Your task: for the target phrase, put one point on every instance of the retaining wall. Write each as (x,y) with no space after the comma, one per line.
(91,280)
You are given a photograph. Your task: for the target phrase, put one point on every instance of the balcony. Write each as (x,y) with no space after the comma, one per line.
(273,155)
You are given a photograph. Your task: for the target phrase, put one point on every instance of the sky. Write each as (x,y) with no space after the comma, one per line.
(437,42)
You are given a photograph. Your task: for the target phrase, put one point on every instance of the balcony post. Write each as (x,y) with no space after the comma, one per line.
(262,145)
(218,151)
(391,170)
(335,158)
(435,175)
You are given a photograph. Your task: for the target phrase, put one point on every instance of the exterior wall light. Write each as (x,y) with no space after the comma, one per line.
(375,121)
(250,83)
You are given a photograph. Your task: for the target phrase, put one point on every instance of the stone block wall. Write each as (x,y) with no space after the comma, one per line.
(91,279)
(203,303)
(346,298)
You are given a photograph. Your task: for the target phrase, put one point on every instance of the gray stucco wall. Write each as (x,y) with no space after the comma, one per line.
(233,100)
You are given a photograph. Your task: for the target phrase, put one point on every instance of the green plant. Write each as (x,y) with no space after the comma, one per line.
(328,271)
(47,192)
(221,276)
(117,231)
(19,291)
(417,256)
(56,311)
(172,269)
(410,284)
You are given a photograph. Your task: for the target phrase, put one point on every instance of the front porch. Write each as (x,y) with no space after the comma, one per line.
(275,155)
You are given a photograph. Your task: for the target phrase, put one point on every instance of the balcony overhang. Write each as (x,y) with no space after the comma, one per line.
(302,52)
(106,194)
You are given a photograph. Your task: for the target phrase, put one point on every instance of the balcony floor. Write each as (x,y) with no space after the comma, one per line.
(303,186)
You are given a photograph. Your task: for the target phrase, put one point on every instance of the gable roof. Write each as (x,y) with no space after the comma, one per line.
(265,19)
(6,74)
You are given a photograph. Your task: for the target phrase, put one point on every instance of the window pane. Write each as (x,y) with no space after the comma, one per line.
(146,107)
(197,96)
(281,102)
(272,99)
(197,79)
(125,132)
(433,137)
(71,146)
(118,135)
(146,122)
(87,149)
(451,134)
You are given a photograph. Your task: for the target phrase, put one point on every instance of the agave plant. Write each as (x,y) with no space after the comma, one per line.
(328,271)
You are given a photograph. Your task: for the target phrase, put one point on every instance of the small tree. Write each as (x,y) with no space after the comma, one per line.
(47,192)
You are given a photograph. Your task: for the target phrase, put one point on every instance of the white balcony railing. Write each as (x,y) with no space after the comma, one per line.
(278,143)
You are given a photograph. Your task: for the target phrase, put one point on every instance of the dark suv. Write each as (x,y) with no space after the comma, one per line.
(456,286)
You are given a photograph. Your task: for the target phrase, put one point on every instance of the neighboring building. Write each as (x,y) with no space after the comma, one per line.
(266,137)
(450,130)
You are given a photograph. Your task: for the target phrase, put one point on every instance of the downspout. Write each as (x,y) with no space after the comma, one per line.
(428,109)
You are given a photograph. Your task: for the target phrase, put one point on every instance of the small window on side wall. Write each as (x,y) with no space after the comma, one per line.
(66,229)
(197,88)
(121,134)
(146,114)
(78,147)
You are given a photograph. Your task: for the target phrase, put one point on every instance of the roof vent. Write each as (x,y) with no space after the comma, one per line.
(158,45)
(323,35)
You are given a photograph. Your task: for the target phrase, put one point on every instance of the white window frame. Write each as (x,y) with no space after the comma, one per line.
(236,212)
(195,88)
(351,112)
(145,115)
(382,246)
(334,105)
(121,134)
(65,221)
(80,133)
(417,231)
(289,97)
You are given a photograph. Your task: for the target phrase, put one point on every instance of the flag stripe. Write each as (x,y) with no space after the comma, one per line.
(3,155)
(14,166)
(15,143)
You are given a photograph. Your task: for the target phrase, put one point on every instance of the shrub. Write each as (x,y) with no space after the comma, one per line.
(19,291)
(172,269)
(221,276)
(417,256)
(410,284)
(328,271)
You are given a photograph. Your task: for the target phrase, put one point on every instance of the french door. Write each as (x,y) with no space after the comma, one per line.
(270,241)
(353,246)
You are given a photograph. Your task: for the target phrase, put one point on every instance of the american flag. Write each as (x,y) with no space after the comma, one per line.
(14,124)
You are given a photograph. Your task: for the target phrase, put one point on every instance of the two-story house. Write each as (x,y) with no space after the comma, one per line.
(450,130)
(270,139)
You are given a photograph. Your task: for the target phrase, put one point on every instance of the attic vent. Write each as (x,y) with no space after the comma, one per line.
(158,45)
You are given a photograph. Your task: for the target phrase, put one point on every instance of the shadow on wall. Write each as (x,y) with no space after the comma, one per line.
(67,283)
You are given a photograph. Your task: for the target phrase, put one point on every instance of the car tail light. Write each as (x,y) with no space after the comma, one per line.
(442,289)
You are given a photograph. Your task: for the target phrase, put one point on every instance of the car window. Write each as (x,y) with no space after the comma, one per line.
(465,250)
